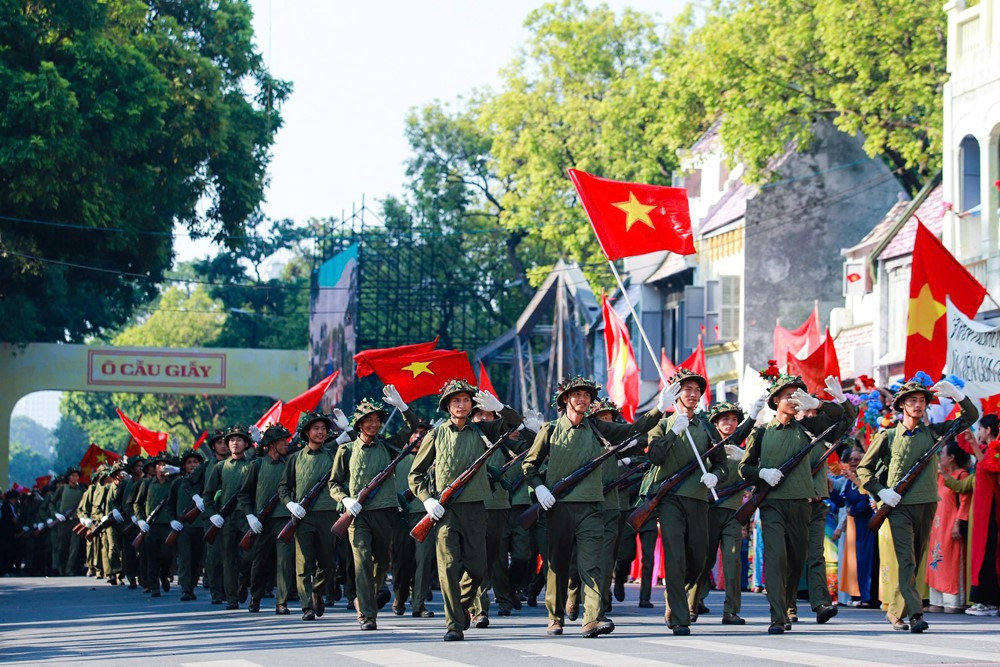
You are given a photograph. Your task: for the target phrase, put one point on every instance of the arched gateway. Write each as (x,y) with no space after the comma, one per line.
(140,370)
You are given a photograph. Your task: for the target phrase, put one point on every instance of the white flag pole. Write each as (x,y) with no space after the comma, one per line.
(649,347)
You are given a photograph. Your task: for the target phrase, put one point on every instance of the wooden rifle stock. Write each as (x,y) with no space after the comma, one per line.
(137,542)
(745,512)
(455,488)
(100,527)
(731,490)
(906,481)
(640,515)
(288,532)
(213,531)
(250,537)
(530,516)
(341,525)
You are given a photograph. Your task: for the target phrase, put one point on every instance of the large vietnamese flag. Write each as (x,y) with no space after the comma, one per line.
(634,218)
(92,458)
(304,402)
(151,442)
(623,371)
(363,359)
(423,374)
(935,275)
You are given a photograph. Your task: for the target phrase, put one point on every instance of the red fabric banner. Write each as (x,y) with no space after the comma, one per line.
(151,442)
(363,359)
(423,374)
(623,371)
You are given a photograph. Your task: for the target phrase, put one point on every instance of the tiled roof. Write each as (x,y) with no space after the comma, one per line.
(931,212)
(673,263)
(879,231)
(732,206)
(846,341)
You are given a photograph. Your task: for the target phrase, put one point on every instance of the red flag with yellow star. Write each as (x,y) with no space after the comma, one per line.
(423,374)
(151,442)
(363,358)
(634,218)
(92,458)
(623,371)
(936,274)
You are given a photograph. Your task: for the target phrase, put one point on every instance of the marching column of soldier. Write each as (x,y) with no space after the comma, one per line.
(489,499)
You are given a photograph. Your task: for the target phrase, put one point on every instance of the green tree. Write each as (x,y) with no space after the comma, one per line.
(70,439)
(28,433)
(26,464)
(125,116)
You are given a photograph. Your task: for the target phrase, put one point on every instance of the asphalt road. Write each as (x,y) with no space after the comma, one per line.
(76,619)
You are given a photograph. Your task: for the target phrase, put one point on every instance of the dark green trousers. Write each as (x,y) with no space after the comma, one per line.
(315,555)
(626,554)
(513,566)
(371,535)
(785,527)
(496,522)
(726,532)
(235,562)
(684,528)
(412,564)
(613,522)
(580,525)
(272,558)
(461,550)
(911,530)
(190,557)
(819,592)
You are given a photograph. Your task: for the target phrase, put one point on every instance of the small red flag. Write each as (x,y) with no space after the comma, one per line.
(92,458)
(363,359)
(817,366)
(803,340)
(696,363)
(43,481)
(667,369)
(623,371)
(423,374)
(200,441)
(485,383)
(272,416)
(151,442)
(634,218)
(304,402)
(935,275)
(991,404)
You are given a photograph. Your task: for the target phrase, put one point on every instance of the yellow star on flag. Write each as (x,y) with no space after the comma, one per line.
(101,458)
(622,360)
(635,211)
(418,367)
(924,313)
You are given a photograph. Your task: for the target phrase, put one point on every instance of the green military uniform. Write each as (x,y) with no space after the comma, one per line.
(683,514)
(895,450)
(578,517)
(130,559)
(94,513)
(66,543)
(158,555)
(461,532)
(191,541)
(270,556)
(224,484)
(513,565)
(111,539)
(411,560)
(315,545)
(785,513)
(627,547)
(371,532)
(213,551)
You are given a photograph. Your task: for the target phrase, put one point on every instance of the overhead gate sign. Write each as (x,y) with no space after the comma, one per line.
(156,369)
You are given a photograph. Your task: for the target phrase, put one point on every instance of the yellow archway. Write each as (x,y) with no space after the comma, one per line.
(216,371)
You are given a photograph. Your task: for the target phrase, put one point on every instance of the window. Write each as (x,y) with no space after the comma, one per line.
(692,183)
(899,302)
(970,192)
(729,312)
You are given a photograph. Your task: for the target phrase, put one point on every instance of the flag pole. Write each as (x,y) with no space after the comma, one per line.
(386,424)
(652,355)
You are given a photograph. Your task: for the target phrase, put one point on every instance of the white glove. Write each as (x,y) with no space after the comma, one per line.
(624,461)
(948,390)
(435,510)
(135,519)
(804,401)
(734,453)
(87,523)
(668,396)
(217,520)
(352,506)
(50,522)
(298,511)
(143,526)
(681,423)
(710,479)
(889,497)
(340,419)
(60,517)
(176,525)
(255,525)
(833,386)
(488,402)
(25,529)
(392,397)
(103,518)
(198,502)
(544,497)
(38,526)
(118,516)
(255,434)
(171,470)
(757,406)
(533,420)
(343,438)
(770,475)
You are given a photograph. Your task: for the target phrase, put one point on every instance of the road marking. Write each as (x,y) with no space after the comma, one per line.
(398,656)
(772,654)
(863,642)
(584,656)
(222,663)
